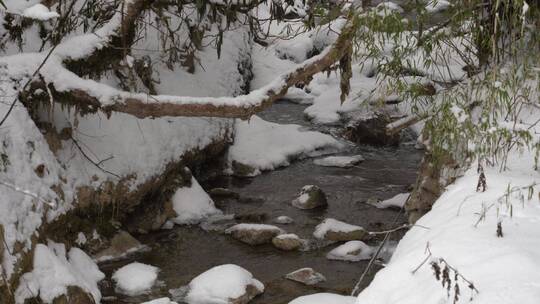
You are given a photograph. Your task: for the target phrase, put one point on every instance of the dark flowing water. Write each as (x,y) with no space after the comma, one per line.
(185,252)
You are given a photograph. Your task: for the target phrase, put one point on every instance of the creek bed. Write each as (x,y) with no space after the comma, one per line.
(184,252)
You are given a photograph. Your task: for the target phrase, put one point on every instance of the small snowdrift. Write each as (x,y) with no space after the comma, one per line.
(260,145)
(324,298)
(223,284)
(192,204)
(54,271)
(135,278)
(503,269)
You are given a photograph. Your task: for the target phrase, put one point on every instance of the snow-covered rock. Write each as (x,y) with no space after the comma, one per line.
(352,251)
(223,284)
(260,145)
(310,197)
(324,298)
(283,219)
(288,242)
(254,234)
(135,278)
(306,276)
(389,6)
(334,230)
(339,161)
(192,204)
(54,271)
(397,201)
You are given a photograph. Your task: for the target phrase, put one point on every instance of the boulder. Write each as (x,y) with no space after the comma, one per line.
(254,234)
(310,197)
(121,245)
(306,276)
(288,242)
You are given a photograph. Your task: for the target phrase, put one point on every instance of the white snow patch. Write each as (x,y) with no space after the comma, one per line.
(221,283)
(352,251)
(265,145)
(246,226)
(135,278)
(192,204)
(435,6)
(40,12)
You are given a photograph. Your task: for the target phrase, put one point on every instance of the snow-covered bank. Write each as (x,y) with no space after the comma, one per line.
(463,231)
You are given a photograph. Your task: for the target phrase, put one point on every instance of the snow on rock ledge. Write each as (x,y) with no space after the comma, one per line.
(224,284)
(54,272)
(504,270)
(261,145)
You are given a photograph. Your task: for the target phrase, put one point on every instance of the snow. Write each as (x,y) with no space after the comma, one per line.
(331,224)
(348,252)
(290,236)
(245,226)
(54,271)
(192,204)
(324,298)
(391,6)
(503,269)
(397,201)
(339,161)
(40,12)
(435,6)
(135,278)
(219,284)
(265,145)
(283,219)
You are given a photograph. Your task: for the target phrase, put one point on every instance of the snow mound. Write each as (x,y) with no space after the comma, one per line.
(398,201)
(40,12)
(192,204)
(503,269)
(135,278)
(324,298)
(331,224)
(339,161)
(221,284)
(53,272)
(265,145)
(352,251)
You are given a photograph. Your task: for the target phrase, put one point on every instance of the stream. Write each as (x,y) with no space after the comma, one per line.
(184,252)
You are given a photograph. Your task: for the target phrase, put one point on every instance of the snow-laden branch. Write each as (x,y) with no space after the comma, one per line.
(93,96)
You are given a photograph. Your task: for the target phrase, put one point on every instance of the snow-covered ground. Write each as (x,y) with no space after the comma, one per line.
(462,230)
